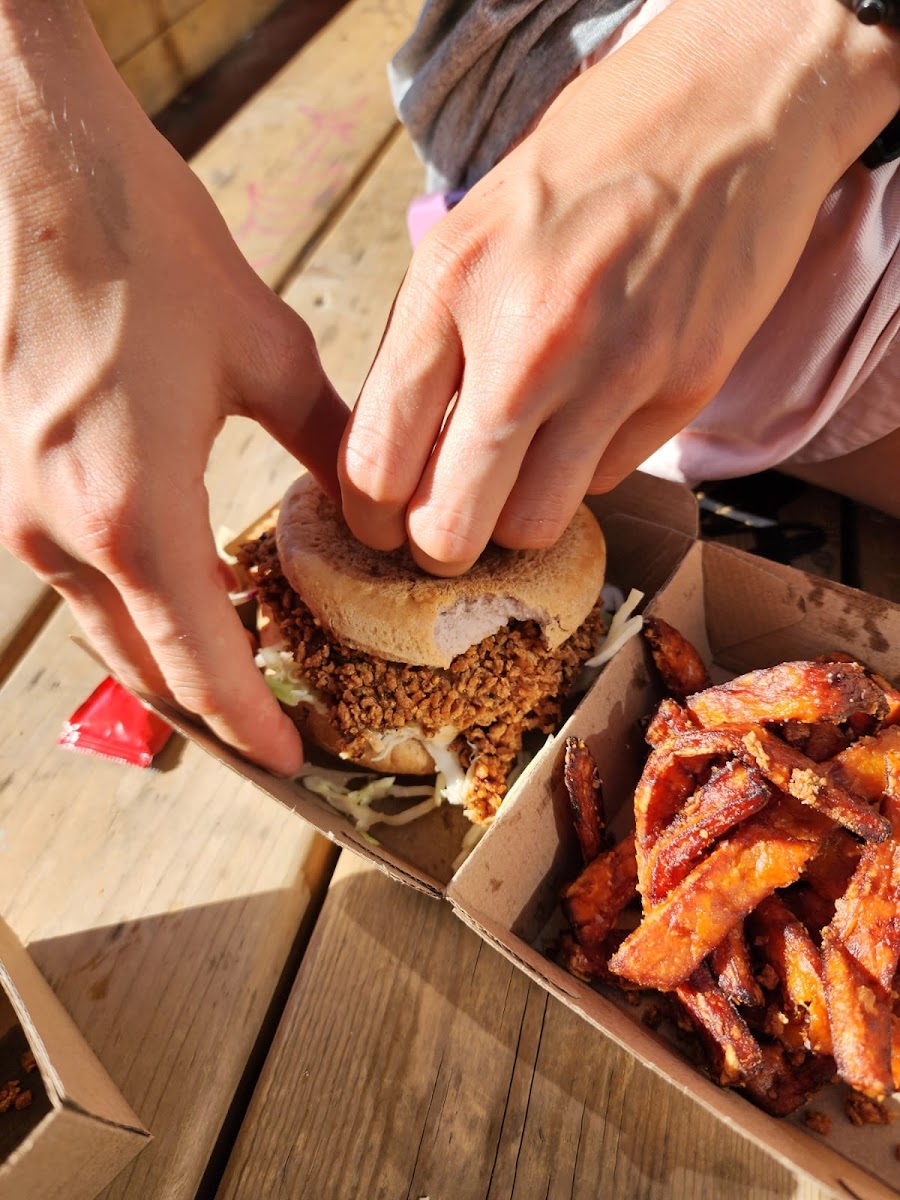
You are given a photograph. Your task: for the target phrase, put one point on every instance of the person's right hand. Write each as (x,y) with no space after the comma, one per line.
(131,327)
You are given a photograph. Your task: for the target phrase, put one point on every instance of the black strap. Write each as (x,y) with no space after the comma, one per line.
(886,146)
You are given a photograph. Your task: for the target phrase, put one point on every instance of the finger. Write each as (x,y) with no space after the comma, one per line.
(468,478)
(105,621)
(639,437)
(554,477)
(293,399)
(176,599)
(398,416)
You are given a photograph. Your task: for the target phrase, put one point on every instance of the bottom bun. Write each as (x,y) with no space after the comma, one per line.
(408,757)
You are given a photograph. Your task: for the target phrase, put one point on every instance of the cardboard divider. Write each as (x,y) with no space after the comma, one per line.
(77,1133)
(742,613)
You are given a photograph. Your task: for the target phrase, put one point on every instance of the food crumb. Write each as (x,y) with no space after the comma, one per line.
(23,1100)
(653,1016)
(818,1122)
(8,1094)
(862,1110)
(632,998)
(754,745)
(805,785)
(27,1062)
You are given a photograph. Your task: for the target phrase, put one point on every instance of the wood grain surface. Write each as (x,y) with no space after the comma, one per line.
(163,906)
(292,156)
(413,1061)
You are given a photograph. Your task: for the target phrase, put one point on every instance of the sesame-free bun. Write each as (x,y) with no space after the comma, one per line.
(382,603)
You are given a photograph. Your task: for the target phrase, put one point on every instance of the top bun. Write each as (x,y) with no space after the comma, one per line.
(384,604)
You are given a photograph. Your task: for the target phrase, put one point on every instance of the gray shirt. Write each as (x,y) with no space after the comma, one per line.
(474,74)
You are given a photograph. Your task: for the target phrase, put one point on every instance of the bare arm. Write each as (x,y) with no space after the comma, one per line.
(130,327)
(591,294)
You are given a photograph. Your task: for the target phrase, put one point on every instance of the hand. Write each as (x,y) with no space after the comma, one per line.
(592,293)
(131,328)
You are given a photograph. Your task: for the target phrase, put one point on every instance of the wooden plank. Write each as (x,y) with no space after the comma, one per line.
(413,1061)
(163,907)
(126,26)
(877,550)
(25,604)
(283,164)
(182,51)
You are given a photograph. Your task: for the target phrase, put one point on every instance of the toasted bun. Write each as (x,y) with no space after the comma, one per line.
(383,604)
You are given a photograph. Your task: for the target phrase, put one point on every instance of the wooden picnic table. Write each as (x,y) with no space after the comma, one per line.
(289,1022)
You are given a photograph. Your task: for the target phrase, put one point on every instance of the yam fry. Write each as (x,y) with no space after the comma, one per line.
(891,694)
(819,741)
(862,767)
(814,784)
(583,788)
(867,916)
(790,691)
(669,720)
(733,1052)
(767,852)
(593,902)
(808,906)
(859,1014)
(590,963)
(785,943)
(731,966)
(784,1082)
(732,794)
(831,870)
(668,779)
(680,666)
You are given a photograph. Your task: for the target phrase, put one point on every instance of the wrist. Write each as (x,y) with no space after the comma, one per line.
(61,98)
(829,78)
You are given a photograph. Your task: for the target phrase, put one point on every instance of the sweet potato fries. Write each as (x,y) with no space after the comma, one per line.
(765,863)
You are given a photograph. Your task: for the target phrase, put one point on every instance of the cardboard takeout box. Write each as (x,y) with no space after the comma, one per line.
(73,1133)
(741,612)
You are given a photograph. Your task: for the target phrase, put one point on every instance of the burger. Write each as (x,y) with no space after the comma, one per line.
(397,671)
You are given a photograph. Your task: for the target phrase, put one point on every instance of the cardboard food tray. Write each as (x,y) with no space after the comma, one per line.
(649,525)
(77,1133)
(742,613)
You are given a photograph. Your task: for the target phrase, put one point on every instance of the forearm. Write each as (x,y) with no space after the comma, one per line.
(799,88)
(812,67)
(61,98)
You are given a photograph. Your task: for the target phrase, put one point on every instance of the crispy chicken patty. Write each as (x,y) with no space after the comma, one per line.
(492,693)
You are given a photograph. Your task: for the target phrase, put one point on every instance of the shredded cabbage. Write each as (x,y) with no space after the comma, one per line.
(472,837)
(283,678)
(356,803)
(622,627)
(455,779)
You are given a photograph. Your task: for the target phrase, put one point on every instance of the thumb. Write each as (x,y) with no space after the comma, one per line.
(292,398)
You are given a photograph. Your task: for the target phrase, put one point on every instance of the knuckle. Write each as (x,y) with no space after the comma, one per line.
(370,464)
(452,538)
(108,535)
(530,530)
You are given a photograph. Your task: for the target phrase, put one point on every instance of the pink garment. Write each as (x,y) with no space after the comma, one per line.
(821,377)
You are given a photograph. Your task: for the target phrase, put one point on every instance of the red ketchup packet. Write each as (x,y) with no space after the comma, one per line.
(114,724)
